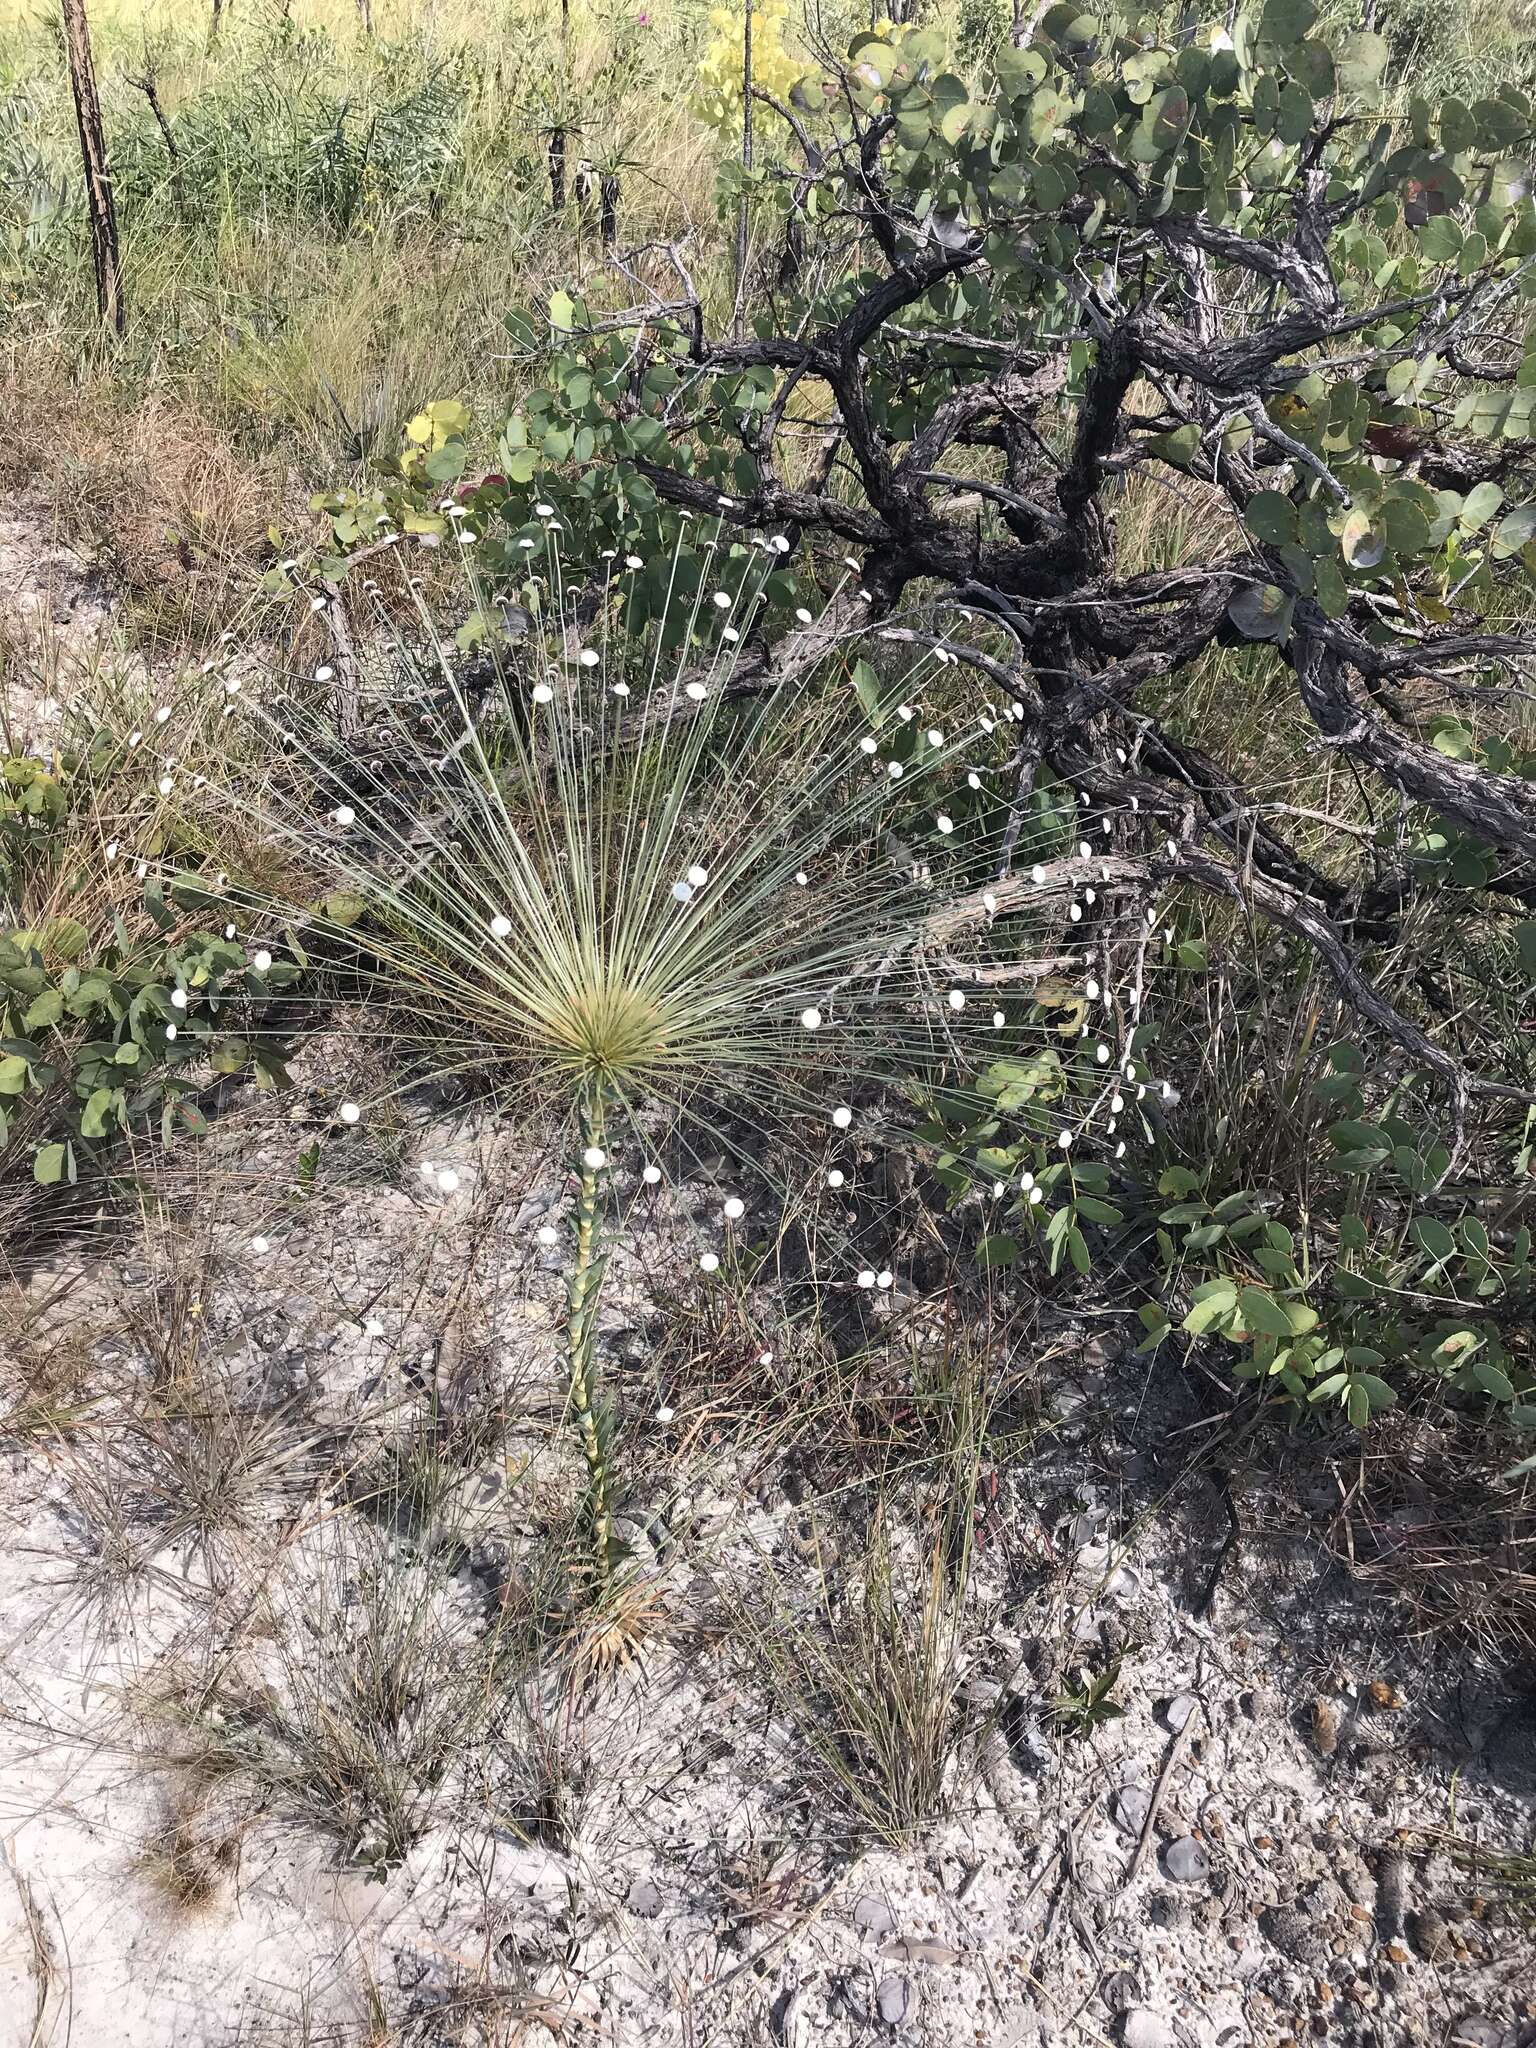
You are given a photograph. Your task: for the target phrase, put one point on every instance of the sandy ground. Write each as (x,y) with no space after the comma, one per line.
(657,1848)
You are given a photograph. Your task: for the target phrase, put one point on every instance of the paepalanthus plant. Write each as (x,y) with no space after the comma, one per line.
(627,880)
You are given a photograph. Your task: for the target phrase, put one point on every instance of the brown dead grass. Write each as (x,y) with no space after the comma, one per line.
(175,511)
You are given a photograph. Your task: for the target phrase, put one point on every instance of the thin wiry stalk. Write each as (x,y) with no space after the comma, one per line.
(592,1421)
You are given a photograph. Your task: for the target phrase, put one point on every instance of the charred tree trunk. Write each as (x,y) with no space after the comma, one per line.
(98,181)
(608,208)
(557,135)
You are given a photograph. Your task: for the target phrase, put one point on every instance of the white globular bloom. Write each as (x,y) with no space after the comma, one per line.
(957,999)
(729,633)
(802,879)
(683,892)
(650,1175)
(1065,1141)
(633,562)
(802,615)
(178,999)
(869,744)
(1091,990)
(998,1020)
(262,961)
(698,876)
(885,1279)
(1026,1182)
(665,1414)
(708,1262)
(836,1177)
(349,1112)
(373,1327)
(547,1234)
(973,780)
(735,1208)
(501,925)
(1037,874)
(165,785)
(697,692)
(945,823)
(867,1277)
(589,657)
(594,1158)
(448,1181)
(1036,1197)
(811,1018)
(723,600)
(261,1244)
(170,1030)
(344,814)
(543,694)
(895,771)
(1102,1054)
(842,1116)
(935,737)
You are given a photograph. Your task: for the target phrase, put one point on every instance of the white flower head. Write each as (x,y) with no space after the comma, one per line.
(735,1208)
(594,1158)
(349,1112)
(842,1116)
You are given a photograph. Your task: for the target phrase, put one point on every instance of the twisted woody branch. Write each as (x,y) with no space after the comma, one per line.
(1122,271)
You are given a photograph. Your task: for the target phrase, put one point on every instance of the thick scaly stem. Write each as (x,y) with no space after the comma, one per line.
(581,1344)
